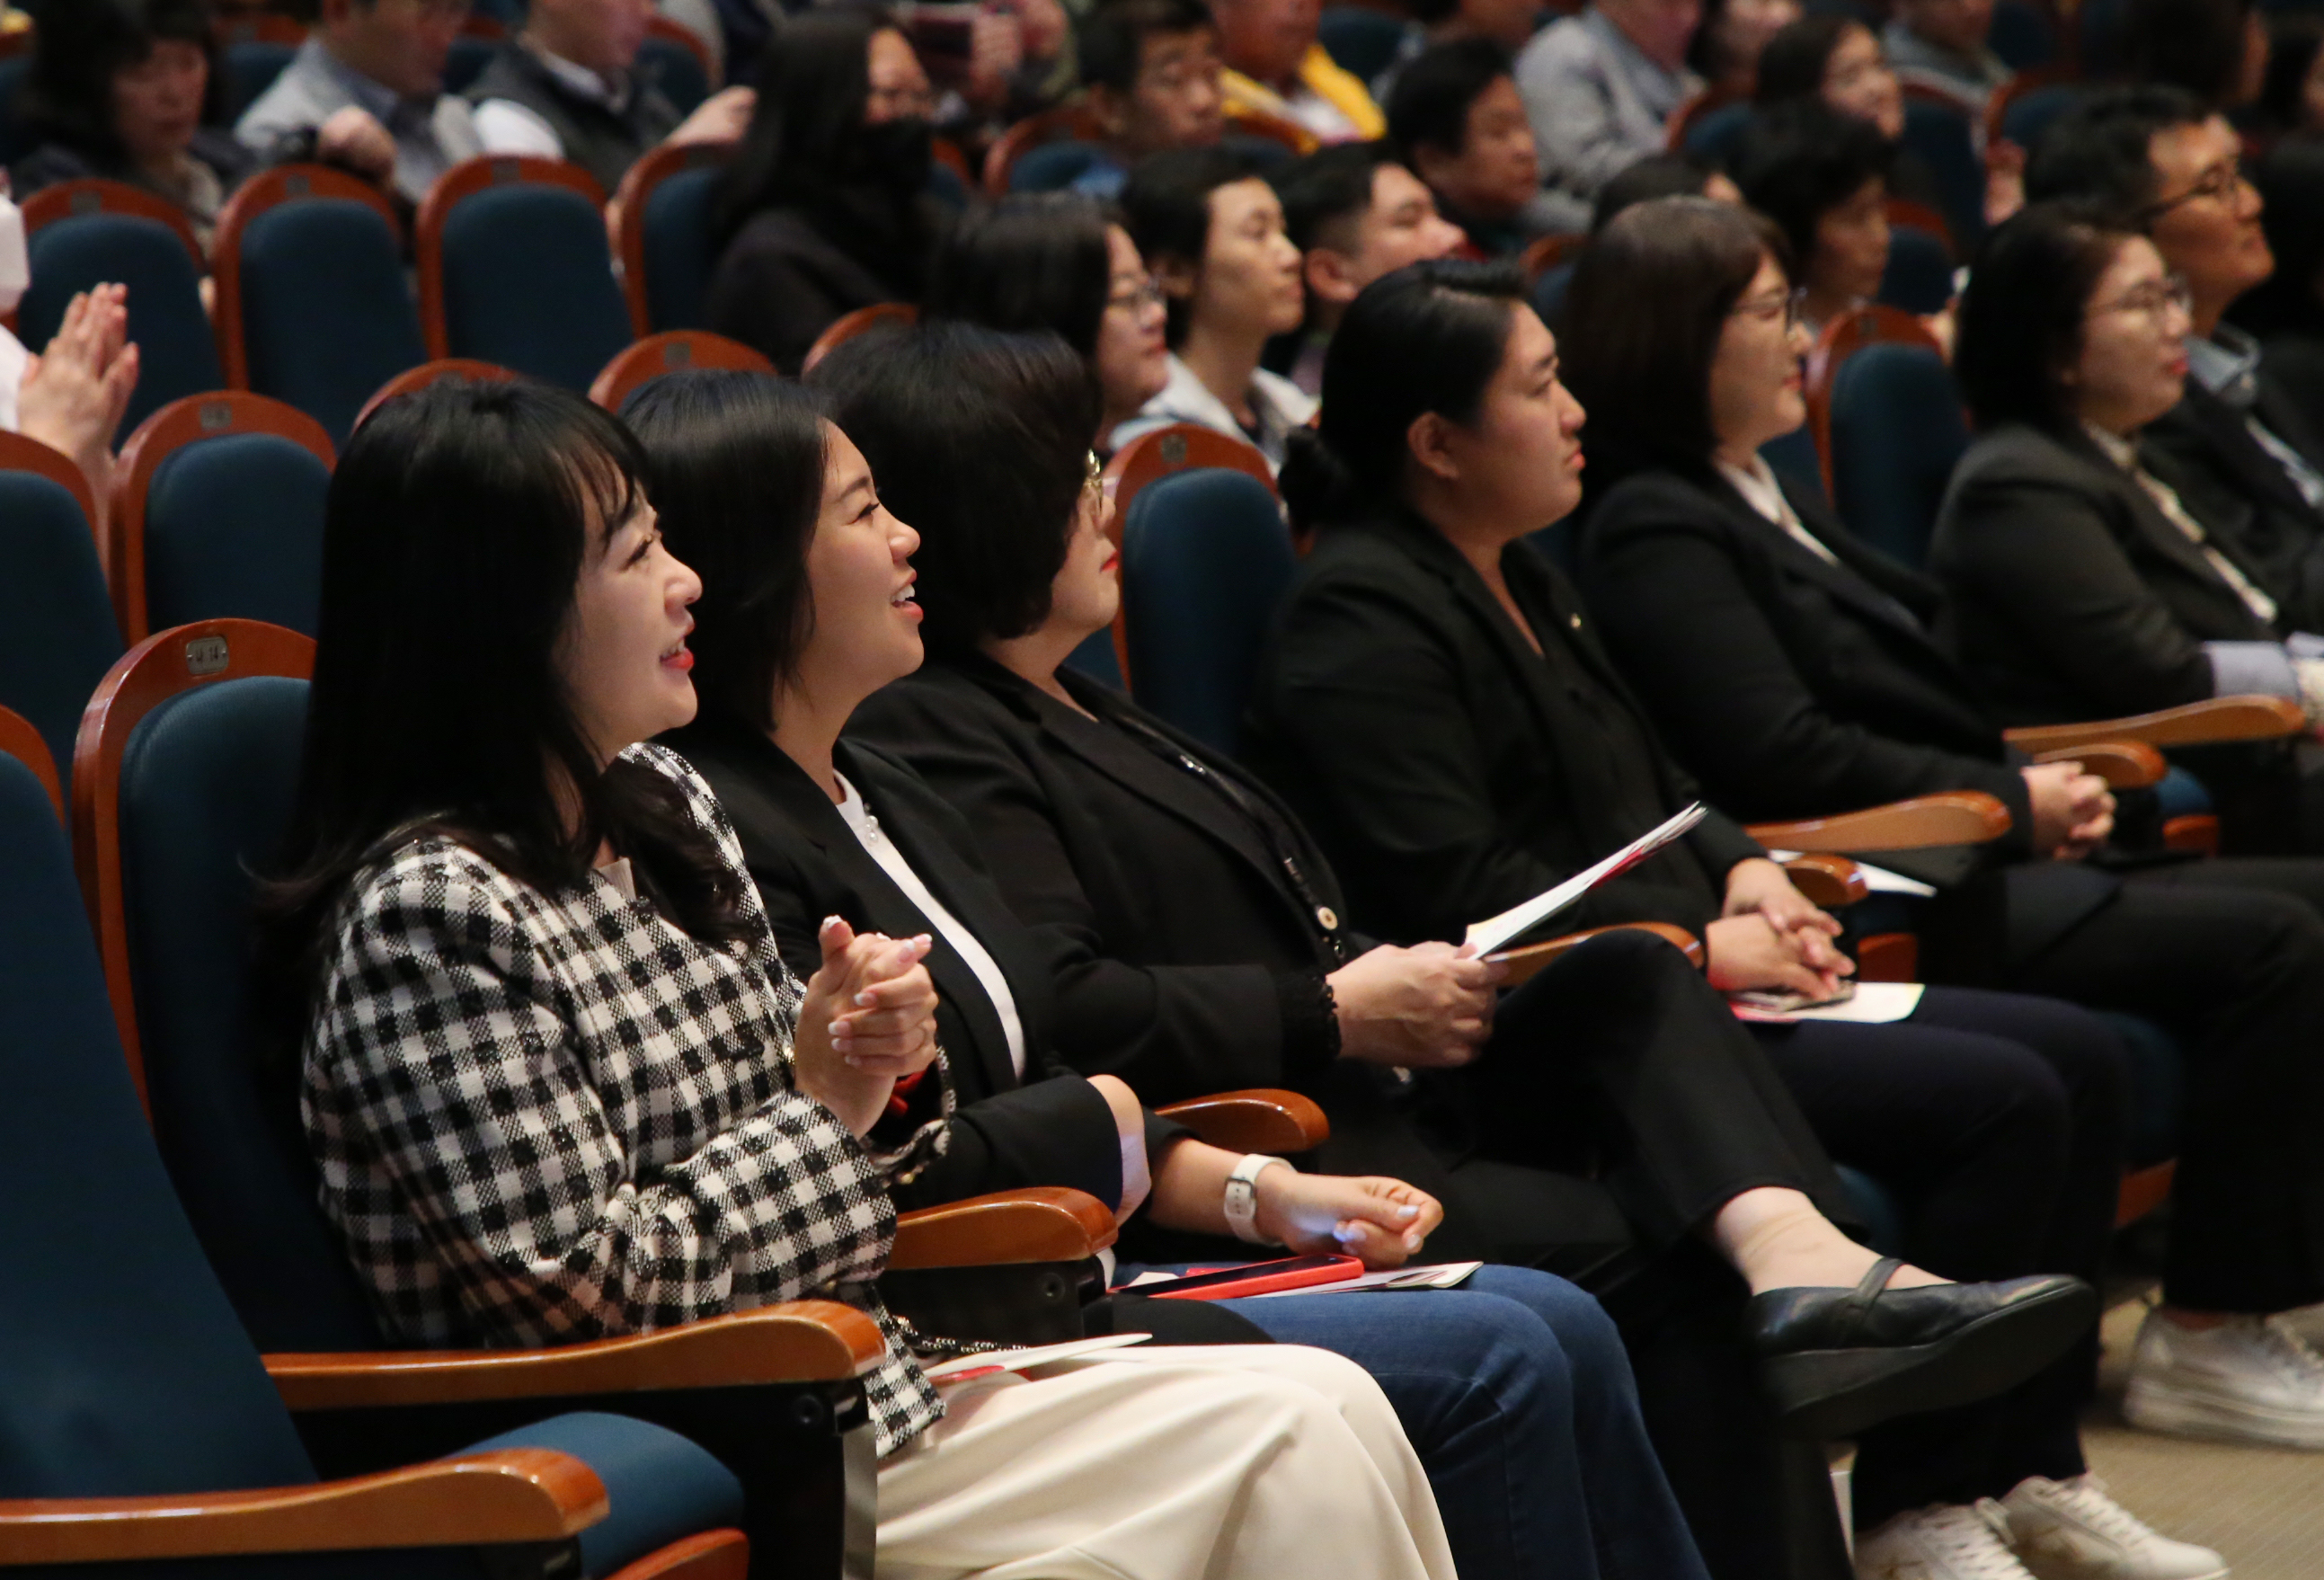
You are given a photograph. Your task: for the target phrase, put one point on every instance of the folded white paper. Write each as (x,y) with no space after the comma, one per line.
(1495,931)
(1025,1360)
(1879,880)
(1876,1003)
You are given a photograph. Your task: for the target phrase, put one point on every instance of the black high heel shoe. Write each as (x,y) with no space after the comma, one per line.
(1838,1360)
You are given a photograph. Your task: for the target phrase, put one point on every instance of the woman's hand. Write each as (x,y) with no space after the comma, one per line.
(722,117)
(1130,1125)
(1748,954)
(1382,1221)
(352,136)
(1760,885)
(2073,811)
(1429,1007)
(72,395)
(868,1018)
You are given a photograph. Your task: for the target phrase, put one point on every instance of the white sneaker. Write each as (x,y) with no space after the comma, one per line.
(1946,1542)
(2072,1530)
(2250,1378)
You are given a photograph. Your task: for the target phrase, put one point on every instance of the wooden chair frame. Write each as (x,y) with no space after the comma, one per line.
(945,152)
(20,454)
(263,27)
(2022,83)
(96,195)
(1074,121)
(1547,252)
(849,325)
(430,372)
(187,421)
(1683,119)
(21,741)
(456,186)
(627,217)
(269,190)
(658,26)
(1947,818)
(1912,215)
(1251,123)
(671,351)
(2211,722)
(1873,324)
(1183,447)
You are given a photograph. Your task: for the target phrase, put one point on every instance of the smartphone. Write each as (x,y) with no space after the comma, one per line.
(1786,1003)
(1259,1278)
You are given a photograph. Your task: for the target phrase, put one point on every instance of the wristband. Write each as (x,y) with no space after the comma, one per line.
(1241,1200)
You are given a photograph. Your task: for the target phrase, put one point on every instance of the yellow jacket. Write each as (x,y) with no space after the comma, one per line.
(1320,76)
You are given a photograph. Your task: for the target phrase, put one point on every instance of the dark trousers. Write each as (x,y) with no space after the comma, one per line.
(1998,1121)
(2228,956)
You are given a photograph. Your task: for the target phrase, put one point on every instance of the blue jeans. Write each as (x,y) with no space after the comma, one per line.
(1517,1397)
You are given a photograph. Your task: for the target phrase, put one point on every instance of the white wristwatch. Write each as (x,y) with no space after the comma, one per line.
(1241,1202)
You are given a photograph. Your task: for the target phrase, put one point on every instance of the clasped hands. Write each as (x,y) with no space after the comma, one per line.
(868,1019)
(1771,938)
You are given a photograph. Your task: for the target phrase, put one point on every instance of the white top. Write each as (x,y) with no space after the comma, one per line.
(1762,493)
(1279,405)
(14,360)
(876,844)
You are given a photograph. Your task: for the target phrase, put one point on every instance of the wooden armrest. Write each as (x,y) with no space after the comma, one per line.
(1831,881)
(1257,1121)
(2123,764)
(800,1341)
(1949,817)
(1045,1223)
(511,1495)
(2198,724)
(1526,962)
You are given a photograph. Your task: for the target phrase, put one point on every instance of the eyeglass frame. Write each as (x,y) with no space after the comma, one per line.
(2221,182)
(1794,309)
(2176,293)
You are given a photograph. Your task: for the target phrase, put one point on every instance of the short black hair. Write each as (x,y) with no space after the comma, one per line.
(1658,175)
(1166,204)
(1791,64)
(2194,44)
(2293,42)
(1323,191)
(1798,161)
(735,467)
(1111,41)
(979,442)
(1428,107)
(77,47)
(2021,317)
(2098,150)
(1650,299)
(1031,261)
(2291,179)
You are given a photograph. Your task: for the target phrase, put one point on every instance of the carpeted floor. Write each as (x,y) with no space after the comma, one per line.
(2262,1508)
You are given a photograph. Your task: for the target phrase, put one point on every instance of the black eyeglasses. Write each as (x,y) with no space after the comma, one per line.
(2221,183)
(1793,305)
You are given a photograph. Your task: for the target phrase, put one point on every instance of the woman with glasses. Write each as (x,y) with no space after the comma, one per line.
(826,209)
(1058,261)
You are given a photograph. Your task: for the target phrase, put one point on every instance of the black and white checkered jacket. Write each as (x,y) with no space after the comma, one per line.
(541,1119)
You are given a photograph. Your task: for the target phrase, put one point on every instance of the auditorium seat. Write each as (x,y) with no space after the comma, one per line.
(1896,433)
(312,304)
(1940,135)
(218,510)
(676,63)
(1360,40)
(58,633)
(515,268)
(674,352)
(1067,123)
(661,230)
(134,1407)
(20,740)
(863,320)
(428,372)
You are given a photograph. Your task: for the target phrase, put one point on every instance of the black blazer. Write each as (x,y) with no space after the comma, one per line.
(782,282)
(1789,686)
(2204,448)
(1449,771)
(2071,597)
(1052,1127)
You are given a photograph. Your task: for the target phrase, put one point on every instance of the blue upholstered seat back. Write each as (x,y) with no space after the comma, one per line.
(529,284)
(207,783)
(250,67)
(234,526)
(125,1370)
(1206,559)
(1896,431)
(676,70)
(177,353)
(1942,136)
(1360,40)
(1919,277)
(327,316)
(679,257)
(58,636)
(1053,166)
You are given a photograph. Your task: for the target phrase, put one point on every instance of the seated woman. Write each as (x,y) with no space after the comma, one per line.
(560,1084)
(1198,946)
(1513,1388)
(1055,260)
(1793,669)
(1434,700)
(2079,586)
(1822,177)
(1212,229)
(128,90)
(825,207)
(1725,52)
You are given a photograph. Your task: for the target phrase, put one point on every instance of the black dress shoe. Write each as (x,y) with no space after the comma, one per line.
(1838,1360)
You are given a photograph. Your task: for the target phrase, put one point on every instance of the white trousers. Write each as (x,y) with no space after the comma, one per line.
(1234,1462)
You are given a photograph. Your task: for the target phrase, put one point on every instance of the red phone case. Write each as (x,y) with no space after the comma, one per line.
(1260,1281)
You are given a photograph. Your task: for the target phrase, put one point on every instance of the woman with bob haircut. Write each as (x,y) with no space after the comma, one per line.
(825,207)
(1058,261)
(1796,670)
(1822,177)
(1513,1388)
(560,1084)
(1200,946)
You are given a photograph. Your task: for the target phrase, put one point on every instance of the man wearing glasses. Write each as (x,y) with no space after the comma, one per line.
(2238,448)
(366,90)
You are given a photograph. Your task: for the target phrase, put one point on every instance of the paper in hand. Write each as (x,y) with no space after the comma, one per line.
(1496,931)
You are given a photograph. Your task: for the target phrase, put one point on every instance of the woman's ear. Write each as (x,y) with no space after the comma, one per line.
(1429,440)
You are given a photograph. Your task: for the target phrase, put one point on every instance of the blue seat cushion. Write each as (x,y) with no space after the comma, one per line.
(529,284)
(676,70)
(177,353)
(660,1487)
(327,315)
(233,527)
(678,254)
(1897,433)
(58,636)
(1919,277)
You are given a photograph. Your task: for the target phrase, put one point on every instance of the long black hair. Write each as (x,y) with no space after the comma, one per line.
(457,525)
(807,147)
(2021,317)
(1032,260)
(735,465)
(81,44)
(1428,337)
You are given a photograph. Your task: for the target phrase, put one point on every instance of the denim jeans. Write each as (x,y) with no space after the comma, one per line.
(1515,1391)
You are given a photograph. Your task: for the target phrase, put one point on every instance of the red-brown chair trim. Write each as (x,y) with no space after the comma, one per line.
(1066,121)
(157,669)
(628,217)
(457,185)
(1547,252)
(1047,1223)
(672,351)
(272,189)
(1179,447)
(658,26)
(96,195)
(19,454)
(1873,324)
(1260,1120)
(709,1555)
(430,372)
(21,741)
(1275,129)
(850,325)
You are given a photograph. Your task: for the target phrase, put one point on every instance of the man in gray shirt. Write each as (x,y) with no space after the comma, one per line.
(1940,44)
(1599,88)
(366,90)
